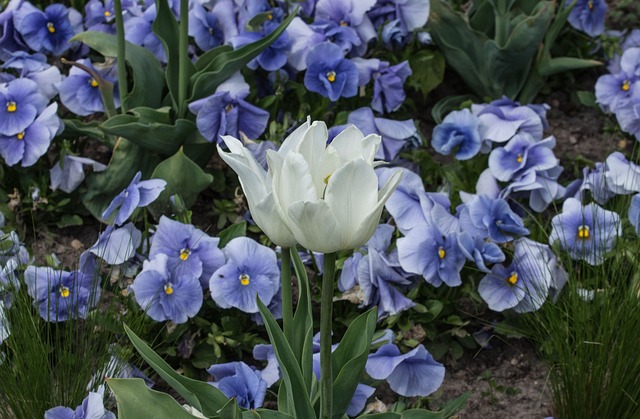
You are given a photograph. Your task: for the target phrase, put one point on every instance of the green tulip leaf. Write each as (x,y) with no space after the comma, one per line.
(148,77)
(428,70)
(231,410)
(183,177)
(136,401)
(231,232)
(204,397)
(562,64)
(449,410)
(264,414)
(205,59)
(76,128)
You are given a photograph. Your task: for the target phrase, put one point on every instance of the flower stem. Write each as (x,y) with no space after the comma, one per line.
(287,295)
(183,45)
(120,52)
(326,306)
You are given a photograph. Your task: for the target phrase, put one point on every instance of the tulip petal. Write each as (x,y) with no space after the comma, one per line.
(315,227)
(293,183)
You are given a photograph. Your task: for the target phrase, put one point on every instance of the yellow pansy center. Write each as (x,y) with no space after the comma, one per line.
(20,135)
(343,23)
(270,16)
(590,5)
(331,76)
(244,279)
(626,85)
(93,82)
(107,13)
(50,27)
(228,108)
(519,158)
(64,291)
(441,252)
(583,232)
(12,106)
(184,254)
(513,278)
(168,288)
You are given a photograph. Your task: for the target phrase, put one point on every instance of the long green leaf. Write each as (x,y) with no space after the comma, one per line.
(298,399)
(205,59)
(204,397)
(148,77)
(561,64)
(265,414)
(302,344)
(223,65)
(76,128)
(349,359)
(136,401)
(231,410)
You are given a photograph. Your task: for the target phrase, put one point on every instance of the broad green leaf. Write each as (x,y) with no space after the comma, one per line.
(587,98)
(136,401)
(68,220)
(428,70)
(302,344)
(223,65)
(166,28)
(561,64)
(265,414)
(76,128)
(204,397)
(126,160)
(448,411)
(298,400)
(148,77)
(448,104)
(230,410)
(183,176)
(205,59)
(152,130)
(349,359)
(231,232)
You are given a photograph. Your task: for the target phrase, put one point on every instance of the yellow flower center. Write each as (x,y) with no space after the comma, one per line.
(64,291)
(270,16)
(107,13)
(519,159)
(441,252)
(168,289)
(93,82)
(326,179)
(228,108)
(513,278)
(20,135)
(590,5)
(583,232)
(50,27)
(343,23)
(12,106)
(244,279)
(626,85)
(184,254)
(331,76)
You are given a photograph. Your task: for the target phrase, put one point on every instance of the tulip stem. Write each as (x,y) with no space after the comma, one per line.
(183,63)
(121,54)
(287,295)
(326,306)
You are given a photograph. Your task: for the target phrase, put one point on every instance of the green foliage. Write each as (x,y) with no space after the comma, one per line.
(136,400)
(502,47)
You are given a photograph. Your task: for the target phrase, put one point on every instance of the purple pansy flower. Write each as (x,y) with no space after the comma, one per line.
(100,14)
(503,118)
(522,154)
(79,92)
(616,90)
(189,251)
(10,40)
(359,399)
(251,270)
(35,67)
(117,245)
(487,217)
(237,379)
(634,213)
(413,374)
(48,31)
(165,296)
(588,16)
(585,232)
(622,176)
(92,407)
(138,31)
(270,373)
(329,73)
(212,28)
(137,194)
(20,103)
(480,251)
(62,295)
(68,174)
(458,133)
(274,56)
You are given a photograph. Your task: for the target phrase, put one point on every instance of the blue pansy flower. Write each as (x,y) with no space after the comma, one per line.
(521,154)
(622,176)
(117,245)
(80,92)
(487,217)
(212,28)
(237,379)
(634,213)
(10,40)
(49,30)
(413,374)
(588,16)
(137,194)
(100,14)
(251,270)
(165,296)
(189,251)
(585,232)
(92,407)
(62,295)
(329,73)
(270,373)
(503,118)
(480,251)
(68,174)
(359,399)
(458,133)
(20,103)
(618,89)
(426,251)
(138,31)
(35,67)
(274,56)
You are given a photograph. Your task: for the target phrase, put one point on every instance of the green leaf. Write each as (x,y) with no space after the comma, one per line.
(302,344)
(136,401)
(298,400)
(428,70)
(223,65)
(148,77)
(68,220)
(230,410)
(448,104)
(587,98)
(152,130)
(205,59)
(126,160)
(167,29)
(448,410)
(77,128)
(349,359)
(231,232)
(183,177)
(562,64)
(265,414)
(204,397)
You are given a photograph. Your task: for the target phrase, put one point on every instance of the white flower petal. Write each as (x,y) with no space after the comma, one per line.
(315,227)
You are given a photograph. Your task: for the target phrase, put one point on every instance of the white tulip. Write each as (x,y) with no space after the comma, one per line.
(328,194)
(256,184)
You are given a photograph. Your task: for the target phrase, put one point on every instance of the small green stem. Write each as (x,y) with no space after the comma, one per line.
(287,295)
(121,54)
(183,64)
(326,306)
